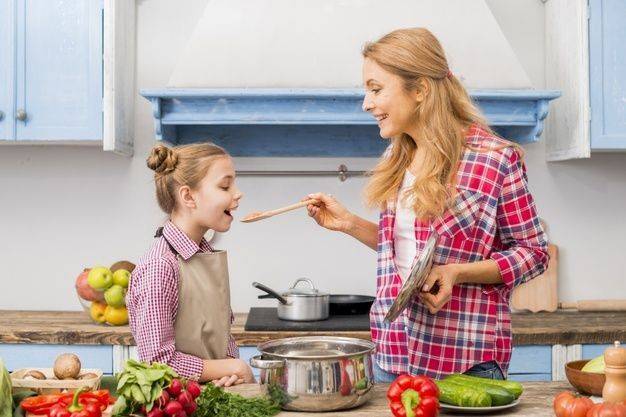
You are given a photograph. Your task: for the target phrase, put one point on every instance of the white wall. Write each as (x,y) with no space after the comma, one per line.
(64,208)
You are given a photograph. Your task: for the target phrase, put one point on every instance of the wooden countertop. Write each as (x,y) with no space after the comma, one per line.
(536,401)
(75,327)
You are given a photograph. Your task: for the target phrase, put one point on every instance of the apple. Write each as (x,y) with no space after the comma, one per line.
(121,277)
(100,278)
(84,290)
(117,316)
(97,311)
(114,296)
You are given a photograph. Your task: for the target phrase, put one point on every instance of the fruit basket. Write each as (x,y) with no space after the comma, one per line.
(50,385)
(589,383)
(101,292)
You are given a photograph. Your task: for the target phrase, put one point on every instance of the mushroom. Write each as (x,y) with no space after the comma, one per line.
(88,375)
(67,366)
(34,374)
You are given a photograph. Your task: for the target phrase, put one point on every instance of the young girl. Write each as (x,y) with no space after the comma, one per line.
(179,297)
(445,172)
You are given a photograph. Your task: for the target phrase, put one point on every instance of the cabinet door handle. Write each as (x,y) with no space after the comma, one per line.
(21,115)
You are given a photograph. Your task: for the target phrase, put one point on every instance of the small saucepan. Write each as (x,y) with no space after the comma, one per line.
(299,303)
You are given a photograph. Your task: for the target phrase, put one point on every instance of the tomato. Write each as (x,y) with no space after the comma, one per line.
(568,404)
(607,410)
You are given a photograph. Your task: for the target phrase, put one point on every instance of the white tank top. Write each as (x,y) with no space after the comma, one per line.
(404,231)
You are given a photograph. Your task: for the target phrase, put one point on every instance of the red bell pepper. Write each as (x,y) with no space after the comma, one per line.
(85,408)
(413,396)
(40,404)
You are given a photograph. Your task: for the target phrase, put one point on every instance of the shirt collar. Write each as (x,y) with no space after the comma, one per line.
(181,243)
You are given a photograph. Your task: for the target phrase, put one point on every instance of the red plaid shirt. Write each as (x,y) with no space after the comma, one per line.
(152,302)
(493,216)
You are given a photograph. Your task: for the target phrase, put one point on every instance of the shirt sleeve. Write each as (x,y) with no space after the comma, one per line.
(157,303)
(526,248)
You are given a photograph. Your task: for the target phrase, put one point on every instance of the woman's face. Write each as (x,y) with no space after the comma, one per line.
(388,101)
(217,196)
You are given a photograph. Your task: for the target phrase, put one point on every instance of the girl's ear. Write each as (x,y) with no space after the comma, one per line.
(186,197)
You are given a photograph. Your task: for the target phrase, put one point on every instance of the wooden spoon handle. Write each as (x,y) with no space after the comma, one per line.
(289,208)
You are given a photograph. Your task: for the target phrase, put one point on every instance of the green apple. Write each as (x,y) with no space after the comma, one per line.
(100,278)
(596,365)
(114,296)
(121,277)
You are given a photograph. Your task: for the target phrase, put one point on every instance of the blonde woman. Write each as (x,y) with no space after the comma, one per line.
(445,171)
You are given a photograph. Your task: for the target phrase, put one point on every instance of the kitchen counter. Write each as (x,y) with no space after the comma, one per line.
(75,327)
(536,401)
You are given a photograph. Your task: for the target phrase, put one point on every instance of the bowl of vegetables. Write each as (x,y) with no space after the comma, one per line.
(586,375)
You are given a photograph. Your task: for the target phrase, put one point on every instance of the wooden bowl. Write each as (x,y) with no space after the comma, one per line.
(585,382)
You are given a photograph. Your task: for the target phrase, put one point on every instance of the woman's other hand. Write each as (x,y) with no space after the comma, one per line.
(328,212)
(437,289)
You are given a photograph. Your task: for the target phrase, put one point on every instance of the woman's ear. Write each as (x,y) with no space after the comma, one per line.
(186,197)
(422,90)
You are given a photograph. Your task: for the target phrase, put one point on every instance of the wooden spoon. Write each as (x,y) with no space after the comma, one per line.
(260,215)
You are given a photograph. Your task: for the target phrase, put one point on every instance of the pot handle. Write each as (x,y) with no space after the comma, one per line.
(258,362)
(270,291)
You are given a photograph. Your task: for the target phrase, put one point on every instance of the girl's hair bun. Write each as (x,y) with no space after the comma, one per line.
(162,160)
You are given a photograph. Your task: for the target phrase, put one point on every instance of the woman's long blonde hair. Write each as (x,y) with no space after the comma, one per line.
(442,117)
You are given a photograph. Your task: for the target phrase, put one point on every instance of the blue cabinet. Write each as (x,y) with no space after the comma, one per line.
(592,351)
(17,356)
(6,70)
(531,363)
(52,62)
(607,74)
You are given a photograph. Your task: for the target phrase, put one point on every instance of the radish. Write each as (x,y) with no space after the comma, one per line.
(194,389)
(190,408)
(155,412)
(163,399)
(185,398)
(175,387)
(172,408)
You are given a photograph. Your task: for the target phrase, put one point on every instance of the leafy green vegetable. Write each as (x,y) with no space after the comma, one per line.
(214,402)
(141,384)
(6,397)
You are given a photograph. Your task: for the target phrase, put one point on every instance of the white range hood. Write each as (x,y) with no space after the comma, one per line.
(317,44)
(282,78)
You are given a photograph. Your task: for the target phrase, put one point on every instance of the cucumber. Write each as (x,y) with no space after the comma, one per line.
(499,395)
(513,387)
(461,395)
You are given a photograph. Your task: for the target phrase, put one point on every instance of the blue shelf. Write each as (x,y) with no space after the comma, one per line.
(313,122)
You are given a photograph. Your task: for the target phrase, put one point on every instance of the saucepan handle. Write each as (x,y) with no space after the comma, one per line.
(260,363)
(270,291)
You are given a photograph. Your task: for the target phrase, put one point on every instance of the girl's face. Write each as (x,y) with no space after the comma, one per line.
(217,196)
(388,101)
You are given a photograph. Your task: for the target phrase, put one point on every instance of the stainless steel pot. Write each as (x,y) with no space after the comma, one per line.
(299,303)
(317,373)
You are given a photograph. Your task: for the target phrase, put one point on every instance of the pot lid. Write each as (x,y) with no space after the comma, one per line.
(316,347)
(310,291)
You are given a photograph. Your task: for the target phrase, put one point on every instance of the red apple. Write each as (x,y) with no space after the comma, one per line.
(84,290)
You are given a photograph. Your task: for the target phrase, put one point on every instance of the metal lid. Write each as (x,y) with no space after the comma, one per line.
(303,291)
(416,279)
(316,347)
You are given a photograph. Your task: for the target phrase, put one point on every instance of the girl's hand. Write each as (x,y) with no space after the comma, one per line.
(328,212)
(437,289)
(227,381)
